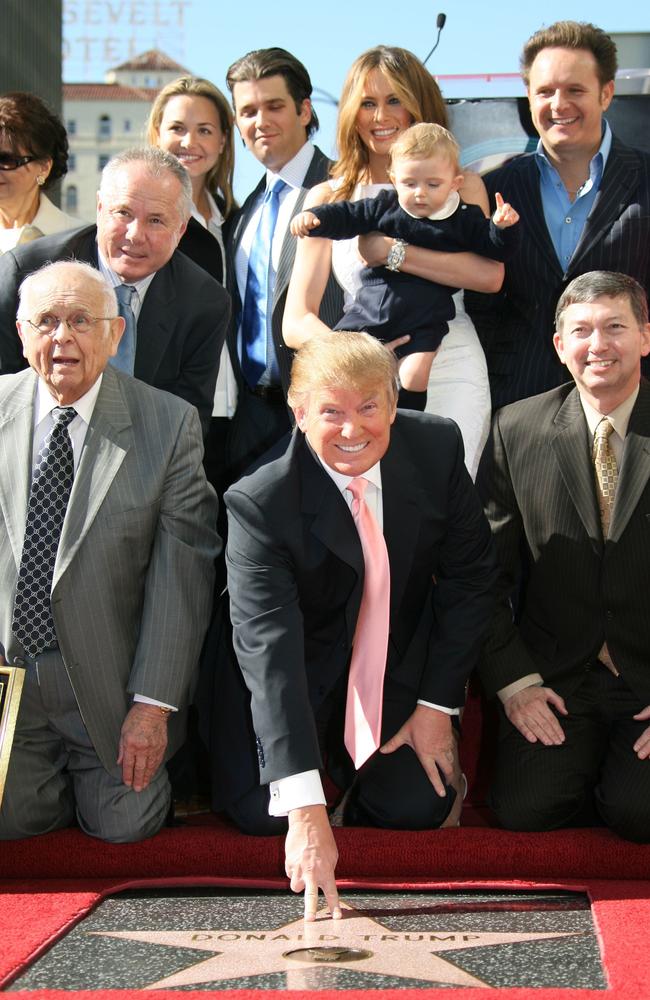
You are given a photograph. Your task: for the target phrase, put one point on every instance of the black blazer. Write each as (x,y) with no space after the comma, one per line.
(537,480)
(332,304)
(181,327)
(516,326)
(295,575)
(199,245)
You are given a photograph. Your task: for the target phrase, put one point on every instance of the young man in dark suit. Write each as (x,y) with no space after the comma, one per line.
(180,312)
(271,94)
(297,578)
(566,483)
(584,204)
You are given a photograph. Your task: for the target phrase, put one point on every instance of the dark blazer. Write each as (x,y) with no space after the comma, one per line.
(295,572)
(332,304)
(199,245)
(516,326)
(132,587)
(181,327)
(537,480)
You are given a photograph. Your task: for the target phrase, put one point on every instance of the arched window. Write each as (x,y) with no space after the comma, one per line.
(104,127)
(71,199)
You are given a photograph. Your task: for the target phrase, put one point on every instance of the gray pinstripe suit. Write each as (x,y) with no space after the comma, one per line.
(577,591)
(516,326)
(132,586)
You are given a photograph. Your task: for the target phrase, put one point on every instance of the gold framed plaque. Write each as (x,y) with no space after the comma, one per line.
(11,686)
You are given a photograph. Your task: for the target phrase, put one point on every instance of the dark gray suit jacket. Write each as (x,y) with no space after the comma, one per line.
(132,588)
(577,591)
(516,326)
(295,575)
(332,304)
(181,327)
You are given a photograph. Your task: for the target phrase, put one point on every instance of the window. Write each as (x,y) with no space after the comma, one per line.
(102,160)
(71,126)
(71,199)
(104,127)
(127,124)
(72,162)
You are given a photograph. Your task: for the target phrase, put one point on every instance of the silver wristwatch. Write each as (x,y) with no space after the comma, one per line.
(396,255)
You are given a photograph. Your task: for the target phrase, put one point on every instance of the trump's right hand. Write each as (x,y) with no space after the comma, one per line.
(310,858)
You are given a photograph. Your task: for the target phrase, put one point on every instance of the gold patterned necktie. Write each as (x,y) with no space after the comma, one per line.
(606,479)
(606,472)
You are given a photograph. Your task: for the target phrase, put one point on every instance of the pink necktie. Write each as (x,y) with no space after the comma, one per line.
(368,663)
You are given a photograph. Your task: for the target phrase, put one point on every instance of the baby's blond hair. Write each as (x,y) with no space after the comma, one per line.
(423,140)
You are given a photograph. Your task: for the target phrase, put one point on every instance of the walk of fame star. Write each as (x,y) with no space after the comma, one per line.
(245,953)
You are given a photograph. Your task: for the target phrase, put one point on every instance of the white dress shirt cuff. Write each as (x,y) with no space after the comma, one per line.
(294,792)
(530,680)
(439,708)
(152,701)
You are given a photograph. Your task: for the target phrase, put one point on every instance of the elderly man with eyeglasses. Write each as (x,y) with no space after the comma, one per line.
(106,568)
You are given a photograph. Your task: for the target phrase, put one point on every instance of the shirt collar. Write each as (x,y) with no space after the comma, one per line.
(215,212)
(598,160)
(293,173)
(619,418)
(114,279)
(449,207)
(84,406)
(373,475)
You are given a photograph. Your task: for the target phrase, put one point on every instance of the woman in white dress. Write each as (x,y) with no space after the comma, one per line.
(386,91)
(33,156)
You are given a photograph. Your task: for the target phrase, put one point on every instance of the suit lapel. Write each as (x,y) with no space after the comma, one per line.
(16,434)
(155,324)
(571,447)
(108,439)
(635,465)
(621,176)
(530,202)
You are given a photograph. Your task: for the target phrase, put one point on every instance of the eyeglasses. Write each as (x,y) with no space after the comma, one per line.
(77,323)
(9,161)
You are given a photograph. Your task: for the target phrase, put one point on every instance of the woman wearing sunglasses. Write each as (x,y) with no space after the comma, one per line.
(33,155)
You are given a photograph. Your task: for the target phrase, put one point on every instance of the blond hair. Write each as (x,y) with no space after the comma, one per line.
(219,179)
(411,82)
(425,140)
(341,359)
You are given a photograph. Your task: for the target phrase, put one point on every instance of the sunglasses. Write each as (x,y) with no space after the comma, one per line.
(9,161)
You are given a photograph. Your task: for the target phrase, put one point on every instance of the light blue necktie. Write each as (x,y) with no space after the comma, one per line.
(125,357)
(257,343)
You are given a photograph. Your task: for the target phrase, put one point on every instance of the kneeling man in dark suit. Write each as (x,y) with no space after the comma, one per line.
(566,481)
(360,564)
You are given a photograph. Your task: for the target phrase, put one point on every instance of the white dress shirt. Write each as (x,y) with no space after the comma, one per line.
(114,280)
(306,788)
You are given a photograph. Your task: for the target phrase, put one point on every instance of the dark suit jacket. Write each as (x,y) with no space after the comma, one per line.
(181,326)
(295,572)
(132,587)
(538,483)
(516,326)
(332,304)
(199,245)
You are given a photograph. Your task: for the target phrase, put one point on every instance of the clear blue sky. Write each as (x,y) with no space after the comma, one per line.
(206,36)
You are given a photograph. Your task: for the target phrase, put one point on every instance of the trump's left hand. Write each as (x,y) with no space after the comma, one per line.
(430,735)
(142,744)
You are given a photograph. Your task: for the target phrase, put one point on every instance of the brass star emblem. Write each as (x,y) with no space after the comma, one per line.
(356,942)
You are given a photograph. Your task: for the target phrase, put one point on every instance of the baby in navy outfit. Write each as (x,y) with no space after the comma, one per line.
(424,209)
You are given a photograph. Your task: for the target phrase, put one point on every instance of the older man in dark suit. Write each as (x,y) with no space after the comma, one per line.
(107,545)
(584,204)
(176,314)
(310,597)
(271,94)
(567,489)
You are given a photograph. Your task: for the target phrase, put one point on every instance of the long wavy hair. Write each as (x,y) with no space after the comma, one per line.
(412,83)
(219,178)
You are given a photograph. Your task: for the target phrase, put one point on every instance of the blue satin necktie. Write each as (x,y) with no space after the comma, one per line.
(125,357)
(257,342)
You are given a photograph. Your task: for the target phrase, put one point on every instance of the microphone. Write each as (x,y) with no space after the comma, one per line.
(441,20)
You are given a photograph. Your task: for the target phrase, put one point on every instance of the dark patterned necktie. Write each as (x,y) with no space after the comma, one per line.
(32,622)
